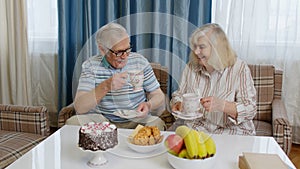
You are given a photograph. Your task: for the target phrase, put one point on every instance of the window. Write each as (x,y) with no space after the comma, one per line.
(42,25)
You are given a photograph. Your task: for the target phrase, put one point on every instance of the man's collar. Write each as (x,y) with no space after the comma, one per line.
(106,64)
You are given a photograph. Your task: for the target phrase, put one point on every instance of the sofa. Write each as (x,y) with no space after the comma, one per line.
(271,118)
(21,129)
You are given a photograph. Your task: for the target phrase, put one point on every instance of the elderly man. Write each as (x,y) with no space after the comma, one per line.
(109,91)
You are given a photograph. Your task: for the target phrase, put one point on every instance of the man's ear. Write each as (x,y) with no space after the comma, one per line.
(102,50)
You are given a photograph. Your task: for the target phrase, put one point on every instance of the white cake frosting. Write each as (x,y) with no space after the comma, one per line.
(97,128)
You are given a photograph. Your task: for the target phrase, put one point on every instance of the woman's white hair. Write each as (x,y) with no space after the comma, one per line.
(222,54)
(110,34)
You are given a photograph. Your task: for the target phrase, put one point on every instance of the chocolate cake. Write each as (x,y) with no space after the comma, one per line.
(98,136)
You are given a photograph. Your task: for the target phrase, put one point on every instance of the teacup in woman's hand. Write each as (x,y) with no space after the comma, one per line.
(190,103)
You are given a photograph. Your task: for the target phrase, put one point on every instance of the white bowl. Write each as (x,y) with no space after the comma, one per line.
(183,163)
(146,148)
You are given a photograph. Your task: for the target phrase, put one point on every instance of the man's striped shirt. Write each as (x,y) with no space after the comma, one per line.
(96,69)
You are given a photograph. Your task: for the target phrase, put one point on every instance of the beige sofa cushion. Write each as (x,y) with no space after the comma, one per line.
(15,144)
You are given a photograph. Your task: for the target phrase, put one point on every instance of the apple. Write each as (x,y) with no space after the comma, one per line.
(174,143)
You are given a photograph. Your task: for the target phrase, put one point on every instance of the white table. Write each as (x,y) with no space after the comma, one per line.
(60,151)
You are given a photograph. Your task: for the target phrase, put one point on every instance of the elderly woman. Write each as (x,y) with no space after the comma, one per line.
(223,81)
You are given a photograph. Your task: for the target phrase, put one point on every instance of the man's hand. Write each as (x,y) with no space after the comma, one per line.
(117,81)
(144,109)
(212,104)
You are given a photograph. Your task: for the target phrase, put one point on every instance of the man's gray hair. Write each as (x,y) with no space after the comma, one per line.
(110,34)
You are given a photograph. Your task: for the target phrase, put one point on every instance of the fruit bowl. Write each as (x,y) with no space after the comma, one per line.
(183,163)
(189,148)
(144,148)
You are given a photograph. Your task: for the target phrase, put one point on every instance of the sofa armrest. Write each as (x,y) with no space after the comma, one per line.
(30,119)
(282,131)
(65,113)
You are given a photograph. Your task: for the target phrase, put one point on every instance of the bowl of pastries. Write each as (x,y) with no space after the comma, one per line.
(145,139)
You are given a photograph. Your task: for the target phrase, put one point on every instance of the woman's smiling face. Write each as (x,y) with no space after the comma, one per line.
(202,50)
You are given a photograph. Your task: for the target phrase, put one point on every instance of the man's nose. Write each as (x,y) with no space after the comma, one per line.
(124,55)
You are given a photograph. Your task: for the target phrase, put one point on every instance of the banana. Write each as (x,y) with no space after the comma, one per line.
(183,154)
(189,140)
(209,144)
(202,152)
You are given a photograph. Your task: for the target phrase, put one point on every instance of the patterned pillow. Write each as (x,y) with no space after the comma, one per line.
(263,77)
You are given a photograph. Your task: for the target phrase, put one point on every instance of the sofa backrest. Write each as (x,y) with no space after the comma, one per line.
(162,75)
(30,119)
(263,77)
(278,84)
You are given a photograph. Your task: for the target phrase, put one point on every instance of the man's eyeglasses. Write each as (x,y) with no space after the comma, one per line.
(121,52)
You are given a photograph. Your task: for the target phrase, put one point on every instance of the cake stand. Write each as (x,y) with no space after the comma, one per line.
(98,158)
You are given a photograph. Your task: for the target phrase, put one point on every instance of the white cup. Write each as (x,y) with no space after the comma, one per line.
(135,78)
(190,103)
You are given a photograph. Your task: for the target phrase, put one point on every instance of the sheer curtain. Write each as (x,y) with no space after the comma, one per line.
(42,48)
(267,32)
(15,76)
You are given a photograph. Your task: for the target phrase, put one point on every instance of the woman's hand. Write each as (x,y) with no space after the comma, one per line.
(212,104)
(177,106)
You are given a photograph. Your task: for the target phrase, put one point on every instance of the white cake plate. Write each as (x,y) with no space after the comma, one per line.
(98,159)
